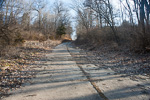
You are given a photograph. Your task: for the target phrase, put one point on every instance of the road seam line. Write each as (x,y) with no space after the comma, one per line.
(90,80)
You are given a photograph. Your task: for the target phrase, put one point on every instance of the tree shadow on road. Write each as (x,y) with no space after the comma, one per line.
(54,74)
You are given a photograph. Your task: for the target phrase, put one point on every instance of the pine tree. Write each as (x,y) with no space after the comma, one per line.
(61,30)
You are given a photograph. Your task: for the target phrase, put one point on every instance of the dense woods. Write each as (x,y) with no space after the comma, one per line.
(22,20)
(124,22)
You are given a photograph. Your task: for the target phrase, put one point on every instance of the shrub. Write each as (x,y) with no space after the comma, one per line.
(97,36)
(61,30)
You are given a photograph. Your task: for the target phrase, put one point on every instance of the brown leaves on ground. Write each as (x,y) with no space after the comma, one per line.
(16,71)
(120,60)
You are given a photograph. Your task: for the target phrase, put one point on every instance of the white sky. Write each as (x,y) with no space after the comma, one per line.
(68,2)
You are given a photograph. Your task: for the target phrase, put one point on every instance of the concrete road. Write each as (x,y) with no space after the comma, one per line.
(111,85)
(58,79)
(64,77)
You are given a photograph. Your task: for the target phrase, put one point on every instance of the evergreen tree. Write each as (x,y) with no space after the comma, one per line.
(61,30)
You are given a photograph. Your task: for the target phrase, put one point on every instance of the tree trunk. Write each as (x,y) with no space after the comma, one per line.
(142,25)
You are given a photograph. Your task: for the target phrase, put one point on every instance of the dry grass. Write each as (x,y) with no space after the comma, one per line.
(130,38)
(43,45)
(33,35)
(97,37)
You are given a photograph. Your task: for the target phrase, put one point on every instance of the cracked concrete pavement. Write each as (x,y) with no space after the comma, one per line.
(61,78)
(58,79)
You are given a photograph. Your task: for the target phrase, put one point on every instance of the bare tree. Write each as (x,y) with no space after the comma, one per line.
(142,9)
(39,6)
(1,3)
(25,22)
(85,15)
(128,7)
(62,16)
(104,10)
(58,9)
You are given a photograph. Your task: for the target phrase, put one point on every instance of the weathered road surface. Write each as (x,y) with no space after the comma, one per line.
(62,79)
(58,79)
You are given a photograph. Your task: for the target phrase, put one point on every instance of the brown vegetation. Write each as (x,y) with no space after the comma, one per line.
(97,24)
(18,22)
(17,64)
(25,38)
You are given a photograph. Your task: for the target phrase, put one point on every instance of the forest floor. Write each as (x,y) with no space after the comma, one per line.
(120,60)
(17,66)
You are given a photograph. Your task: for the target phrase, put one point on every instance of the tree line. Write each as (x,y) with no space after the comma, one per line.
(128,23)
(32,20)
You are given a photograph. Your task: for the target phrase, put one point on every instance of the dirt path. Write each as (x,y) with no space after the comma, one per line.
(67,75)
